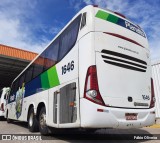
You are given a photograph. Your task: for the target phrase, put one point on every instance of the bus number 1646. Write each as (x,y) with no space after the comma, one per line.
(67,68)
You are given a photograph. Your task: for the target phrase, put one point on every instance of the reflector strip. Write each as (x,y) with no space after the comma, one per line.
(152,112)
(100,110)
(124,38)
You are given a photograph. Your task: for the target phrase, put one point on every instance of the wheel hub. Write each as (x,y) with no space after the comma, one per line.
(42,120)
(31,120)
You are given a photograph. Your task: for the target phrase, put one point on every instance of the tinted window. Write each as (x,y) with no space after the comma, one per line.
(29,74)
(21,80)
(12,88)
(55,52)
(51,54)
(38,66)
(69,37)
(16,86)
(83,23)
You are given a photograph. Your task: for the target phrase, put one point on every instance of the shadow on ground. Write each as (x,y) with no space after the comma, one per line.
(100,135)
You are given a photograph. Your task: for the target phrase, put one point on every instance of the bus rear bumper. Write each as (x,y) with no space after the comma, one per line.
(97,116)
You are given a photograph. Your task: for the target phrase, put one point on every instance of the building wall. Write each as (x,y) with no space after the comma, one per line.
(156,80)
(17,53)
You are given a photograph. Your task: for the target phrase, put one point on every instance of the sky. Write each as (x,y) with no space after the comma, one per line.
(32,24)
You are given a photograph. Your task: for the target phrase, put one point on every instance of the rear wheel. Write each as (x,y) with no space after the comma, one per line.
(43,128)
(2,118)
(9,120)
(32,121)
(90,131)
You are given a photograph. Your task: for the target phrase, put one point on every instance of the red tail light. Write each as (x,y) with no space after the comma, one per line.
(91,90)
(152,104)
(2,107)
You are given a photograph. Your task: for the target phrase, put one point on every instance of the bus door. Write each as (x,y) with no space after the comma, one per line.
(63,105)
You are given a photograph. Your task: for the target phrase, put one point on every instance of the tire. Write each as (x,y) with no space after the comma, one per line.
(32,121)
(43,128)
(91,131)
(2,118)
(9,121)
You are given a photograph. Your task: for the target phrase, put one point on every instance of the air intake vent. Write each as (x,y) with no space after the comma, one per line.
(124,61)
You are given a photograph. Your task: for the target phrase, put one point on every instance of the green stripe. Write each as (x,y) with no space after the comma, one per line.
(53,77)
(44,80)
(112,18)
(50,78)
(106,16)
(102,15)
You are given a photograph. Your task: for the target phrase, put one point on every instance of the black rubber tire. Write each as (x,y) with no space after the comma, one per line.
(90,131)
(2,118)
(9,121)
(44,130)
(33,127)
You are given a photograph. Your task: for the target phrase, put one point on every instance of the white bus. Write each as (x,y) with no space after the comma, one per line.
(3,98)
(95,73)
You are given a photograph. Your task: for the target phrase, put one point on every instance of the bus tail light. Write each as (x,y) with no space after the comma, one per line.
(91,90)
(152,104)
(2,107)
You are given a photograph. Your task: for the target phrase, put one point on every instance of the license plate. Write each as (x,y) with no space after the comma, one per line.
(131,116)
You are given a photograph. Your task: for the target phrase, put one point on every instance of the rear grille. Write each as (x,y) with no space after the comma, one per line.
(124,61)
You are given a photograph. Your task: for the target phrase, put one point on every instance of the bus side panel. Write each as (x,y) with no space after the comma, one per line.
(11,110)
(86,58)
(35,100)
(52,107)
(32,100)
(64,99)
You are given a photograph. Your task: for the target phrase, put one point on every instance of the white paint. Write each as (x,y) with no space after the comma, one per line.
(156,81)
(115,83)
(3,98)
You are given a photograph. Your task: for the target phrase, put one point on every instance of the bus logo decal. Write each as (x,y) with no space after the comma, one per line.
(19,100)
(119,21)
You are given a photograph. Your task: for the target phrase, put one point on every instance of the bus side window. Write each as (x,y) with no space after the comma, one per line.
(38,66)
(29,73)
(51,54)
(21,80)
(16,87)
(83,22)
(12,90)
(69,37)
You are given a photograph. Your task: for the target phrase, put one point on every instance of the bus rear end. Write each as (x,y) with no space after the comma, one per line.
(118,88)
